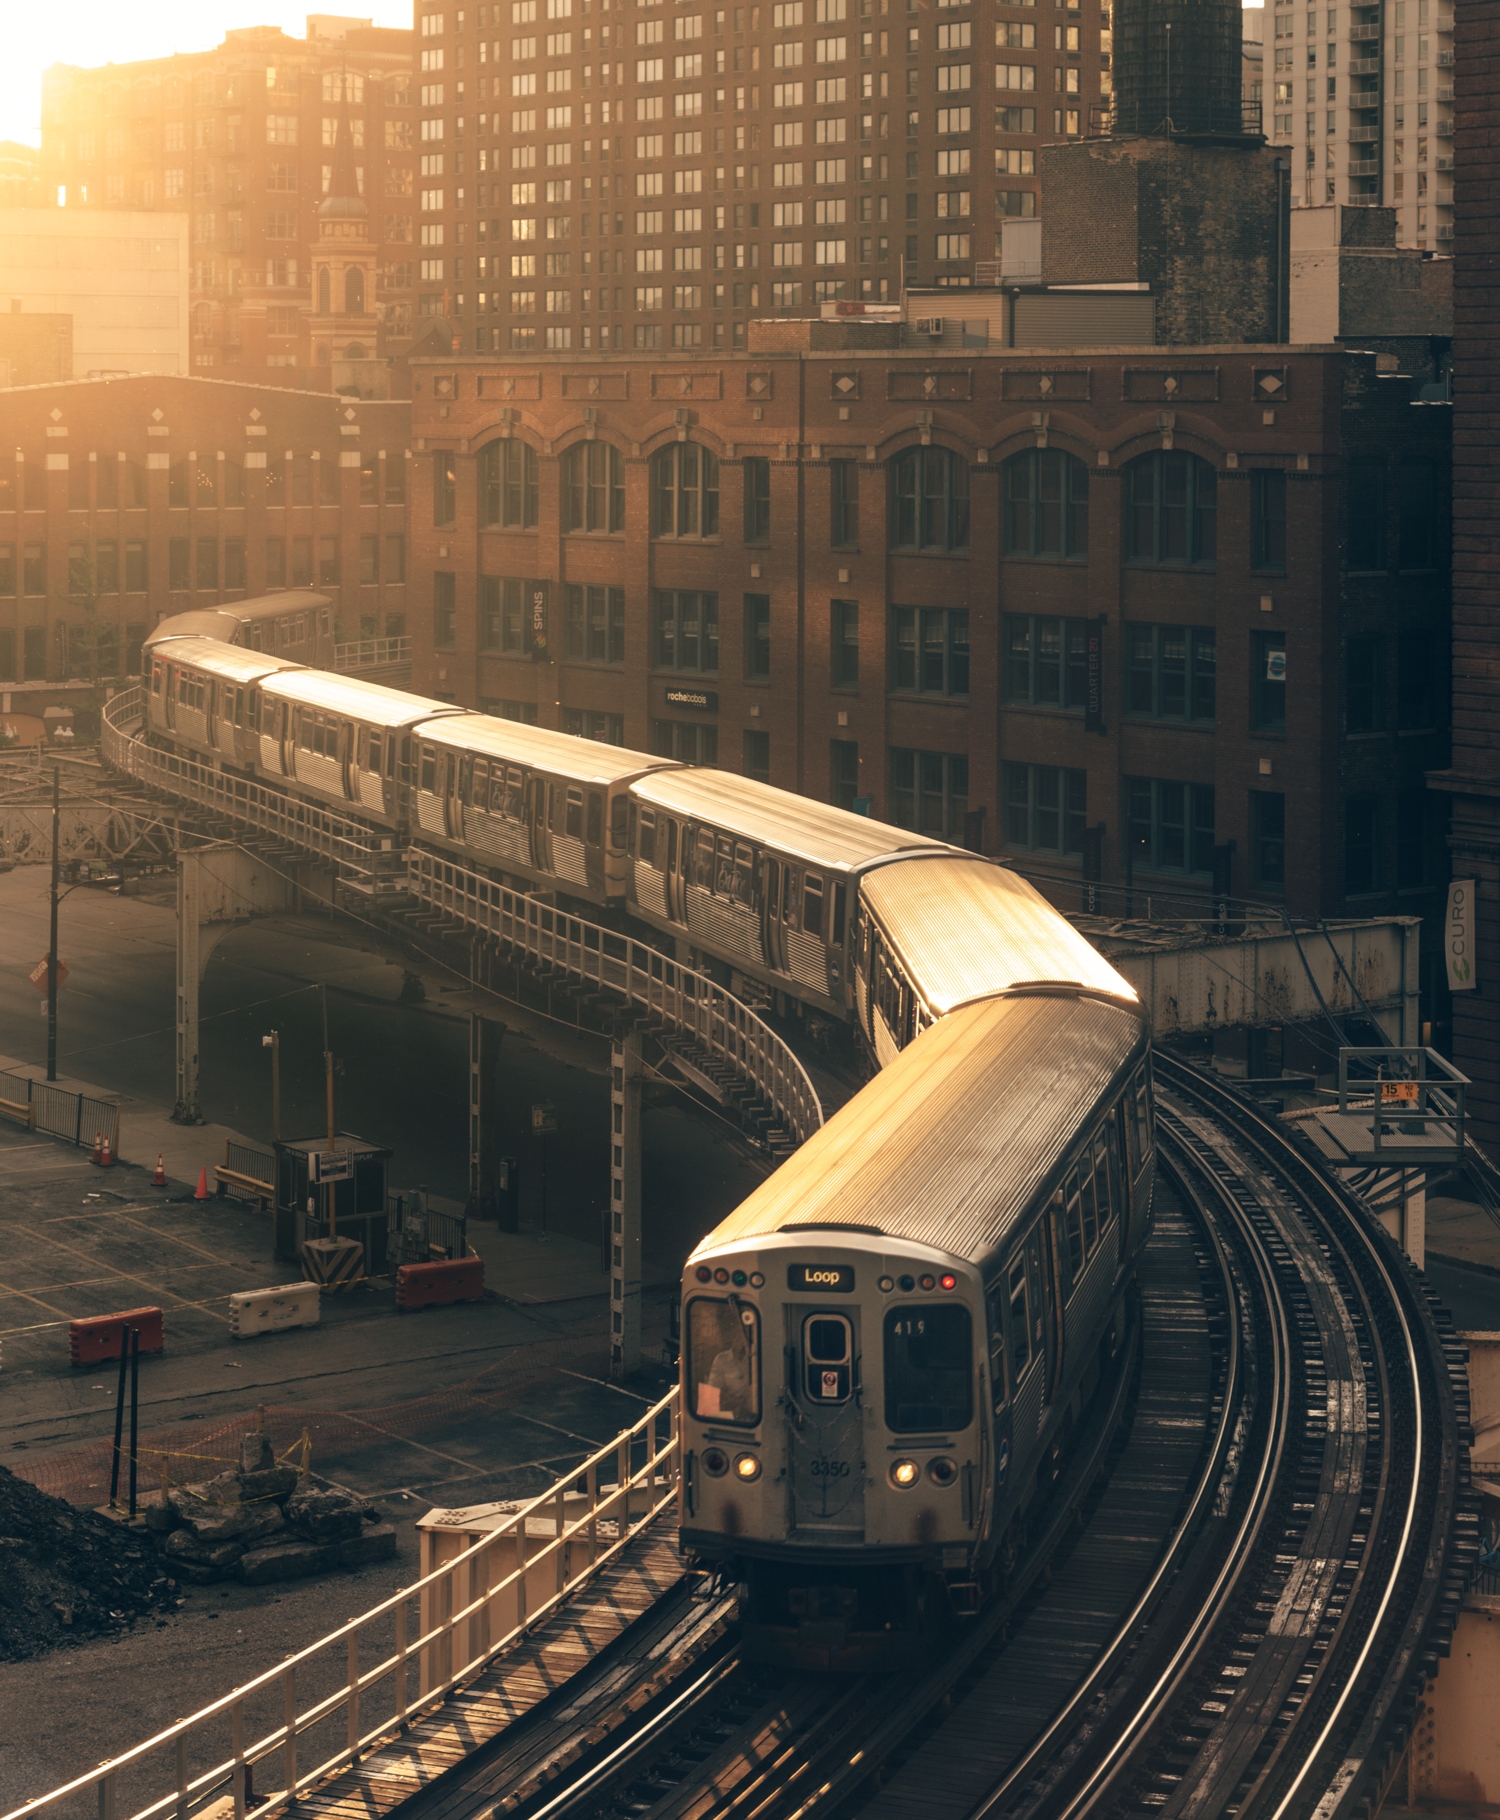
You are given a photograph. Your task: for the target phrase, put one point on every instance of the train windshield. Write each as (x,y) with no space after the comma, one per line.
(723,1359)
(929,1378)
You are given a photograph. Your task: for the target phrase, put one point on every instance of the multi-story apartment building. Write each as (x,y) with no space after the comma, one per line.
(241,139)
(1363,95)
(593,177)
(127,500)
(1079,606)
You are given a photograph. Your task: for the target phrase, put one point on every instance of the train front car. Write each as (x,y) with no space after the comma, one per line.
(886,1348)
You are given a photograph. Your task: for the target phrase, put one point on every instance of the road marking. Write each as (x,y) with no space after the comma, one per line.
(124,1276)
(584,1377)
(6,1289)
(568,1432)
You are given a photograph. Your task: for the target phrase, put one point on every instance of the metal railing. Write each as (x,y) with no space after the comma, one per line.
(420,1232)
(538,1572)
(300,824)
(640,975)
(75,1117)
(1416,1093)
(371,654)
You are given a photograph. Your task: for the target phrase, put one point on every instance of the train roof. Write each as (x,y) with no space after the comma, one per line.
(372,704)
(966,929)
(954,1141)
(831,839)
(233,662)
(202,623)
(226,622)
(274,606)
(542,749)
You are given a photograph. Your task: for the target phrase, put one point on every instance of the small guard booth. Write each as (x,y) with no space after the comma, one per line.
(358,1193)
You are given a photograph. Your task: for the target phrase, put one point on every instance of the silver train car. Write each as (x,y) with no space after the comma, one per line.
(295,624)
(885,1348)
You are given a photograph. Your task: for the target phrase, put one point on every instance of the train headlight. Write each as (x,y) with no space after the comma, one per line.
(905,1474)
(746,1468)
(941,1471)
(715,1462)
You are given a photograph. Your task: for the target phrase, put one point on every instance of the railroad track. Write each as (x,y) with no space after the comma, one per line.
(1232,1600)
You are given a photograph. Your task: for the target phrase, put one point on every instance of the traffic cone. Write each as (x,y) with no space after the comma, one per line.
(107,1160)
(202,1194)
(159,1180)
(98,1156)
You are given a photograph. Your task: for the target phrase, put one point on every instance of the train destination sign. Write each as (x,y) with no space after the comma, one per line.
(706,701)
(821,1279)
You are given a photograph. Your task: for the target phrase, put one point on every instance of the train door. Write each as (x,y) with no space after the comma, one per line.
(679,844)
(773,881)
(536,822)
(1044,1313)
(350,736)
(457,784)
(1001,1402)
(826,1465)
(170,697)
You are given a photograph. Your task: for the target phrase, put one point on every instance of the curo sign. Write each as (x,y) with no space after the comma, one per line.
(1458,936)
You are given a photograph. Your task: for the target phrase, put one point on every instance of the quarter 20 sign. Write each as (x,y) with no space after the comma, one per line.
(1458,936)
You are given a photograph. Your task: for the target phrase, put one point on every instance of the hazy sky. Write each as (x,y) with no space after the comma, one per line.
(89,32)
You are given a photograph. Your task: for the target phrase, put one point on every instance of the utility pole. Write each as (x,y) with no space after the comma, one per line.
(273,1043)
(52,937)
(331,1188)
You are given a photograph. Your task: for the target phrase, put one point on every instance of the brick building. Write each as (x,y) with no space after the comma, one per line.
(125,500)
(1472,786)
(593,177)
(1179,597)
(242,139)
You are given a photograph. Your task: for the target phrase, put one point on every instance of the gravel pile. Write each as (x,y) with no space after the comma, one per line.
(67,1573)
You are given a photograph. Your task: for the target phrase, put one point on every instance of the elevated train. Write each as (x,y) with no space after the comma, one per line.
(885,1348)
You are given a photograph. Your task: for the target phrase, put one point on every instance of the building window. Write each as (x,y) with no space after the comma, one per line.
(502,709)
(1268,519)
(1416,511)
(685,740)
(757,499)
(1170,672)
(1171,515)
(1361,845)
(34,568)
(1169,826)
(1268,682)
(1046,663)
(843,490)
(1046,504)
(684,491)
(505,617)
(758,755)
(1046,808)
(1411,841)
(1416,675)
(444,610)
(930,792)
(1362,679)
(685,630)
(328,562)
(508,485)
(758,637)
(1268,839)
(595,624)
(844,629)
(593,723)
(234,563)
(929,500)
(302,562)
(395,559)
(179,575)
(1366,520)
(369,561)
(137,569)
(843,772)
(34,653)
(930,650)
(444,489)
(593,487)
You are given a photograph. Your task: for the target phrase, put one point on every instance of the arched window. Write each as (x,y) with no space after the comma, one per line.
(684,491)
(1171,509)
(354,292)
(593,488)
(507,484)
(325,291)
(1046,504)
(929,500)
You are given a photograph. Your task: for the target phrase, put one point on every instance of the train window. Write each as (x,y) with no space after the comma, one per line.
(744,874)
(789,896)
(1090,1207)
(928,1368)
(724,866)
(1020,1321)
(617,816)
(836,928)
(429,769)
(1070,1225)
(515,793)
(158,670)
(466,780)
(1105,1193)
(812,904)
(828,1356)
(555,806)
(646,840)
(595,835)
(723,1360)
(372,752)
(575,814)
(994,1302)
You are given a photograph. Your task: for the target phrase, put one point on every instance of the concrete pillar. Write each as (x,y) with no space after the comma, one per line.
(185,1111)
(625,1205)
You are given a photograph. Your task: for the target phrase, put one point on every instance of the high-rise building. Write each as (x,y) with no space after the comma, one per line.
(596,177)
(241,139)
(1363,95)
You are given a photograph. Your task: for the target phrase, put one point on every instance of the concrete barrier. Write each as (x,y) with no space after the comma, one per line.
(101,1336)
(257,1311)
(435,1285)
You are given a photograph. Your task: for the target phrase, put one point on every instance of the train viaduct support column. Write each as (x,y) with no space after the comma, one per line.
(625,1069)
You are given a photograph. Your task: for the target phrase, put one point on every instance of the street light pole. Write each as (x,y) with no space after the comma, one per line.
(273,1043)
(52,937)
